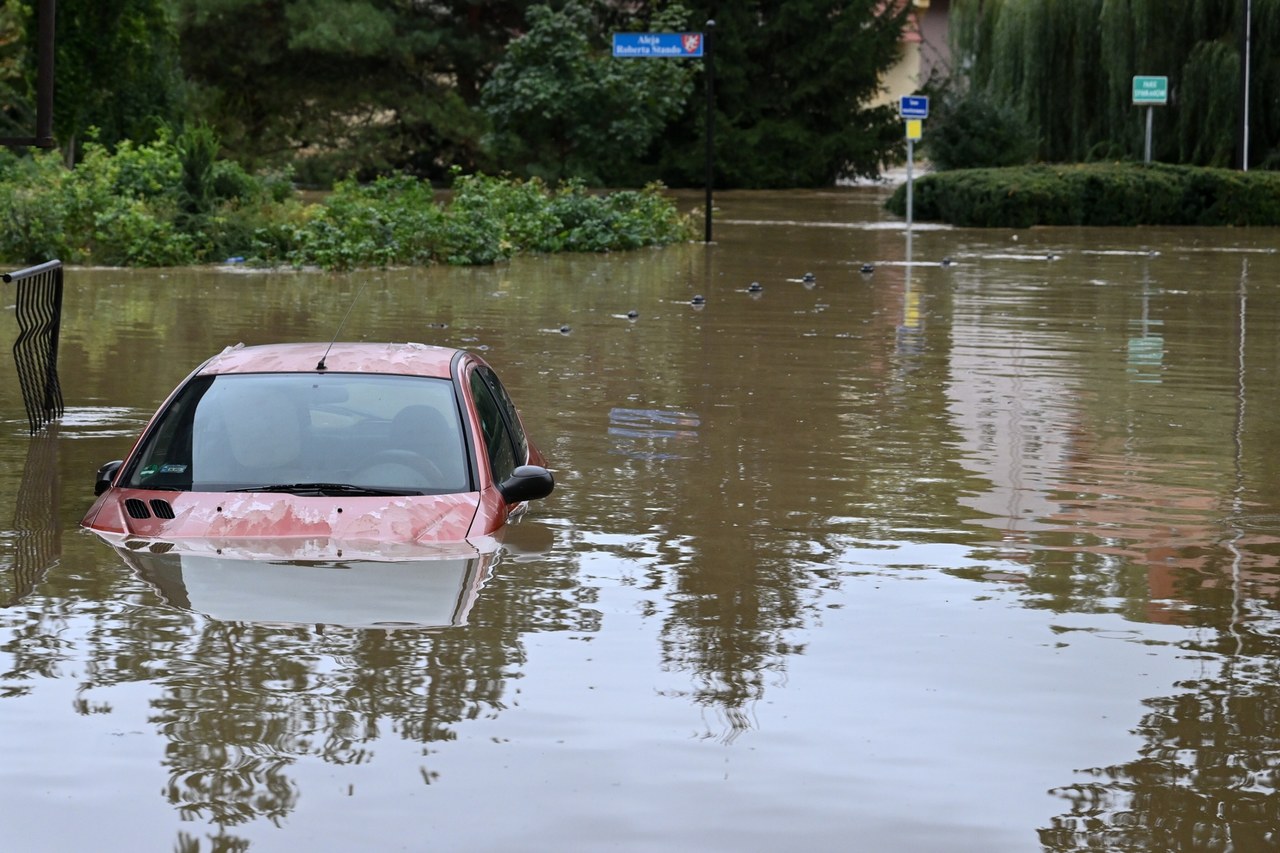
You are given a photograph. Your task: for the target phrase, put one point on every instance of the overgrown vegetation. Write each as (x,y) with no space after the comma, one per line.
(1104,194)
(171,202)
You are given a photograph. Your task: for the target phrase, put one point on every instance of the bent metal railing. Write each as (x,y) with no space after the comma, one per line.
(39,310)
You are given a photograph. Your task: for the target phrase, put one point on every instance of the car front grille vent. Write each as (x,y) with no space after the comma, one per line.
(136,508)
(162,508)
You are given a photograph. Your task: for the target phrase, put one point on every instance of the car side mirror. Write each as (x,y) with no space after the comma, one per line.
(106,474)
(527,483)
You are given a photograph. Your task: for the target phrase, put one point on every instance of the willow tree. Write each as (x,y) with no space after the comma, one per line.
(1067,67)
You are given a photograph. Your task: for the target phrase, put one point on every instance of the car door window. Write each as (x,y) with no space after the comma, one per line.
(497,437)
(518,437)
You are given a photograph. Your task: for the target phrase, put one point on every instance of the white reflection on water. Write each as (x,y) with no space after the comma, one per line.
(103,421)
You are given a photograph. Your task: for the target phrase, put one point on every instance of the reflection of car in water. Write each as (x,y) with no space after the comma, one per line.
(429,593)
(399,444)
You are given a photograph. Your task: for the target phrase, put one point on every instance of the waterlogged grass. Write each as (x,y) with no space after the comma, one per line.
(171,203)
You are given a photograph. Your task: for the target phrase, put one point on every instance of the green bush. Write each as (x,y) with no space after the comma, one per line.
(391,221)
(395,221)
(975,132)
(162,204)
(1099,194)
(172,202)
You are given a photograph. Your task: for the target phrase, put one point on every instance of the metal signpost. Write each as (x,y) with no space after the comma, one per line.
(1246,58)
(913,109)
(1150,92)
(679,46)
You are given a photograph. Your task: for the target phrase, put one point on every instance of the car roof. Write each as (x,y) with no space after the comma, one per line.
(408,359)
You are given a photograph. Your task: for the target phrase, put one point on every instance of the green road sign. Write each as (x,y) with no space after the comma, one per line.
(1151,91)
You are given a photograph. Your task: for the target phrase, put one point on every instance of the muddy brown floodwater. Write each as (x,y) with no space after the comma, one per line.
(975,550)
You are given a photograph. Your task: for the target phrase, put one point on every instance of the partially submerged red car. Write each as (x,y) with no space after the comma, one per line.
(384,448)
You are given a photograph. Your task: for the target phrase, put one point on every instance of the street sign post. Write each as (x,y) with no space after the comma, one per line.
(679,46)
(1150,92)
(912,108)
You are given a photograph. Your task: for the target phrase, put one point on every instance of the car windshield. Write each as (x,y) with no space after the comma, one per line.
(308,433)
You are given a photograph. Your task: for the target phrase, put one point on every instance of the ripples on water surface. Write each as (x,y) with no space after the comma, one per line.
(974,551)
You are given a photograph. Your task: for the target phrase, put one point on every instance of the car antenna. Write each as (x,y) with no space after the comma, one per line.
(320,364)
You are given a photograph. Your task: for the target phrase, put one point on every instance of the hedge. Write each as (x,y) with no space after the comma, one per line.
(1107,194)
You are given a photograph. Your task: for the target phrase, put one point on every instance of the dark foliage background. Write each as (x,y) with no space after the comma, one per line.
(331,88)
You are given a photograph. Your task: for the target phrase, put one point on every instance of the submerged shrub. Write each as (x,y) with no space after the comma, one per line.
(171,202)
(396,221)
(390,221)
(159,204)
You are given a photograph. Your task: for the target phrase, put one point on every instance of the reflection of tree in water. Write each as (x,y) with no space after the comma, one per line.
(220,843)
(240,703)
(728,624)
(1207,779)
(243,702)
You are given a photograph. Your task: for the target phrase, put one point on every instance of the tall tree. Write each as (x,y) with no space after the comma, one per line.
(562,106)
(342,85)
(794,80)
(375,84)
(17,99)
(117,70)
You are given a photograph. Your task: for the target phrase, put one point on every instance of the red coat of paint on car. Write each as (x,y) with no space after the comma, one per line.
(320,447)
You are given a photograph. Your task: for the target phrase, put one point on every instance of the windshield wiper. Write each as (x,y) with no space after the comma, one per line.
(327,489)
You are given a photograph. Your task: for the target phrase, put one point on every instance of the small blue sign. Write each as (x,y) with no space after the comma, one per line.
(662,45)
(913,106)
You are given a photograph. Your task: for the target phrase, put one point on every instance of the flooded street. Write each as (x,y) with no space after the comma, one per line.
(969,543)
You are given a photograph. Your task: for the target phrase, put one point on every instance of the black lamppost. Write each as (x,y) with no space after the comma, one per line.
(1246,27)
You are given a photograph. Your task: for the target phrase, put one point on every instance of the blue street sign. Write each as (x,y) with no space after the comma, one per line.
(664,45)
(916,106)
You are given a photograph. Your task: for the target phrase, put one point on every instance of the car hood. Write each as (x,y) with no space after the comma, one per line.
(215,522)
